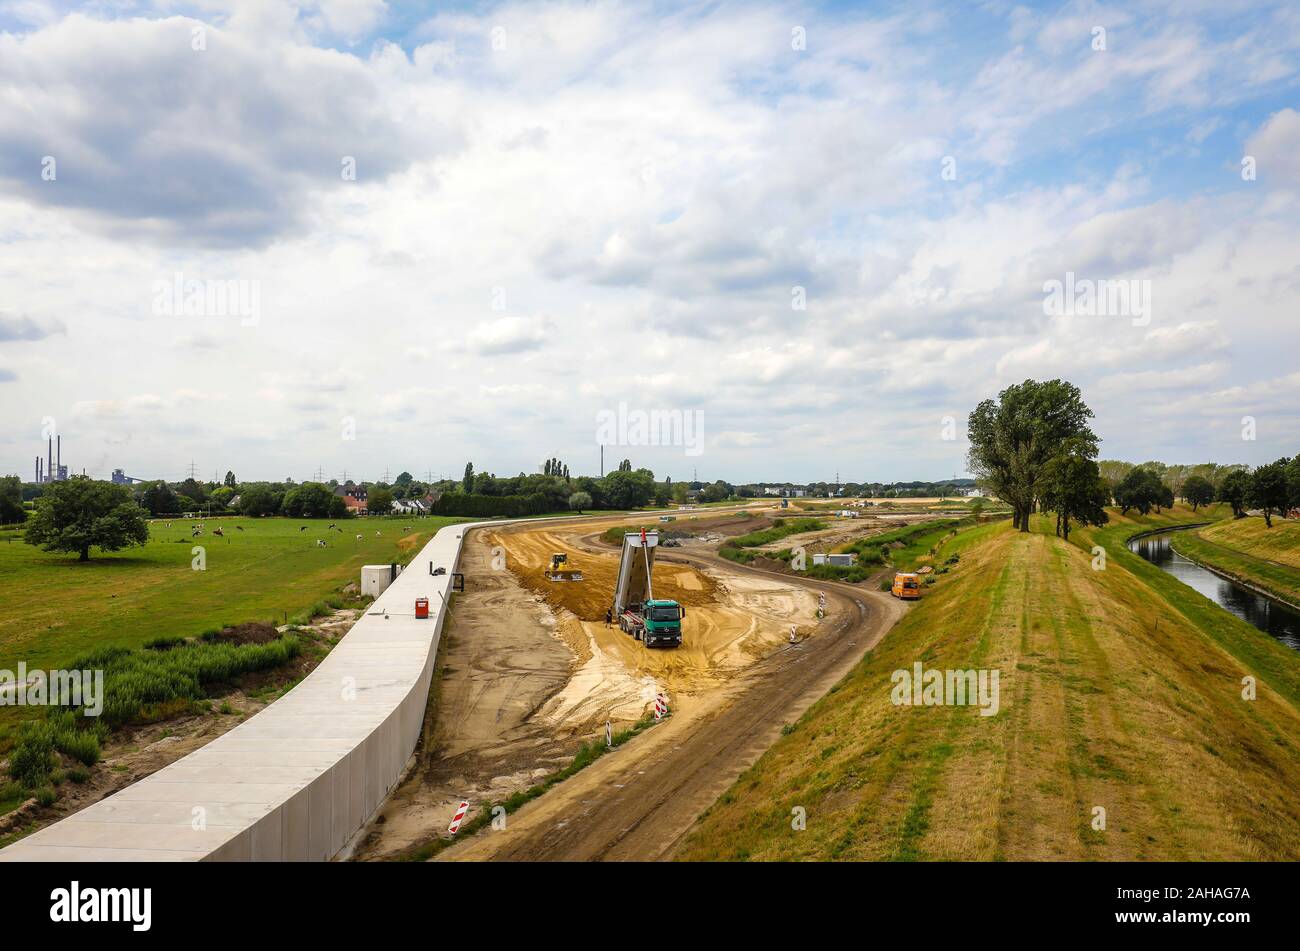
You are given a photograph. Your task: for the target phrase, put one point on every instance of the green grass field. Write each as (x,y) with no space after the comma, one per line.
(56,608)
(1246,549)
(1120,689)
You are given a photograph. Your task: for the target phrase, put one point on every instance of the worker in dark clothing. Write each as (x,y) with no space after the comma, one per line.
(609,616)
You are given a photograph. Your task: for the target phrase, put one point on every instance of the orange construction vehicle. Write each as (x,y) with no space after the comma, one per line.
(906,586)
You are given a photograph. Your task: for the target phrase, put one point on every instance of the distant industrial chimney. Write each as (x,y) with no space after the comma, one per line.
(58,460)
(49,468)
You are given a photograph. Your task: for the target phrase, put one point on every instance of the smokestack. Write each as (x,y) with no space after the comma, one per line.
(58,460)
(50,467)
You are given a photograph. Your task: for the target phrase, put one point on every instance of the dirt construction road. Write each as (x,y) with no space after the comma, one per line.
(637,802)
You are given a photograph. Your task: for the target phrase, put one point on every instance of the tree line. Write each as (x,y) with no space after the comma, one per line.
(1034,449)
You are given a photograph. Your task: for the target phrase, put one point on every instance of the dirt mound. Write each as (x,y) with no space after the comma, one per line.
(528,553)
(250,632)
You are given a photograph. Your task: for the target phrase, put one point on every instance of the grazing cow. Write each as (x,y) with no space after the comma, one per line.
(320,543)
(303,529)
(358,538)
(331,525)
(217,531)
(376,534)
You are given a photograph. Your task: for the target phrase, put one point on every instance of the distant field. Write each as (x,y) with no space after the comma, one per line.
(1268,558)
(55,608)
(1119,688)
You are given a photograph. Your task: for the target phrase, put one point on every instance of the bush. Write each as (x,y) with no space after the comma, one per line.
(136,683)
(851,574)
(33,756)
(46,796)
(82,746)
(164,643)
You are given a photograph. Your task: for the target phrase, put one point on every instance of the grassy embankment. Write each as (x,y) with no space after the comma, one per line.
(1119,688)
(1246,549)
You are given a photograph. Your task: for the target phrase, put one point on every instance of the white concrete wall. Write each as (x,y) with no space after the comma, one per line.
(299,779)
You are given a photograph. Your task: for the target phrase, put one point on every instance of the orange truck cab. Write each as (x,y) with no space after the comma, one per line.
(907,586)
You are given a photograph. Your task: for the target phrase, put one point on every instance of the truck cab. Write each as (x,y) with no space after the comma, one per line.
(655,623)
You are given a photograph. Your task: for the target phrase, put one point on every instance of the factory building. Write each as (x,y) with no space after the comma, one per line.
(52,470)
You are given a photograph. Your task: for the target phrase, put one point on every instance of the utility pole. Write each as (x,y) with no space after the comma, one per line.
(193,469)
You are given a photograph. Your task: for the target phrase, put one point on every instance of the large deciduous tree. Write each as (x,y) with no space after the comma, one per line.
(1233,490)
(79,513)
(1268,490)
(1141,489)
(625,489)
(1075,490)
(1013,440)
(379,502)
(11,500)
(1197,491)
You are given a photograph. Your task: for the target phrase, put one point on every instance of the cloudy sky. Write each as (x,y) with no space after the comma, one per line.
(280,237)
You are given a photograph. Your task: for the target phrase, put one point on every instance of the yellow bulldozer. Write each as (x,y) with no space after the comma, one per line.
(559,569)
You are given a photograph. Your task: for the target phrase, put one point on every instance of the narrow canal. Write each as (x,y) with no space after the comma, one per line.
(1272,617)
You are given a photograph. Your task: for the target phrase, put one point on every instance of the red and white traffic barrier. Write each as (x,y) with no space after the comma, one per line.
(661,706)
(459,817)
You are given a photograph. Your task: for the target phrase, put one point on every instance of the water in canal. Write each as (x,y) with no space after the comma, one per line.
(1272,617)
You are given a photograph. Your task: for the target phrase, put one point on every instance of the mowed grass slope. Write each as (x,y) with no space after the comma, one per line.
(1268,558)
(56,608)
(1111,697)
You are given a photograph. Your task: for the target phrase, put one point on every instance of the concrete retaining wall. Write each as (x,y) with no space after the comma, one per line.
(299,779)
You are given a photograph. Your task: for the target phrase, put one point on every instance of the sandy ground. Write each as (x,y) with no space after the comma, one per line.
(529,669)
(638,802)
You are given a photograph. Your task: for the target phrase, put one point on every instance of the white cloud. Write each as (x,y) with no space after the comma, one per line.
(640,190)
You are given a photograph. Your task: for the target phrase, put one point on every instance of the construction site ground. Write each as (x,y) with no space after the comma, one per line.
(528,671)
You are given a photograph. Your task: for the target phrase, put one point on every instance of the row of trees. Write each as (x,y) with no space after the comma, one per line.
(1274,488)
